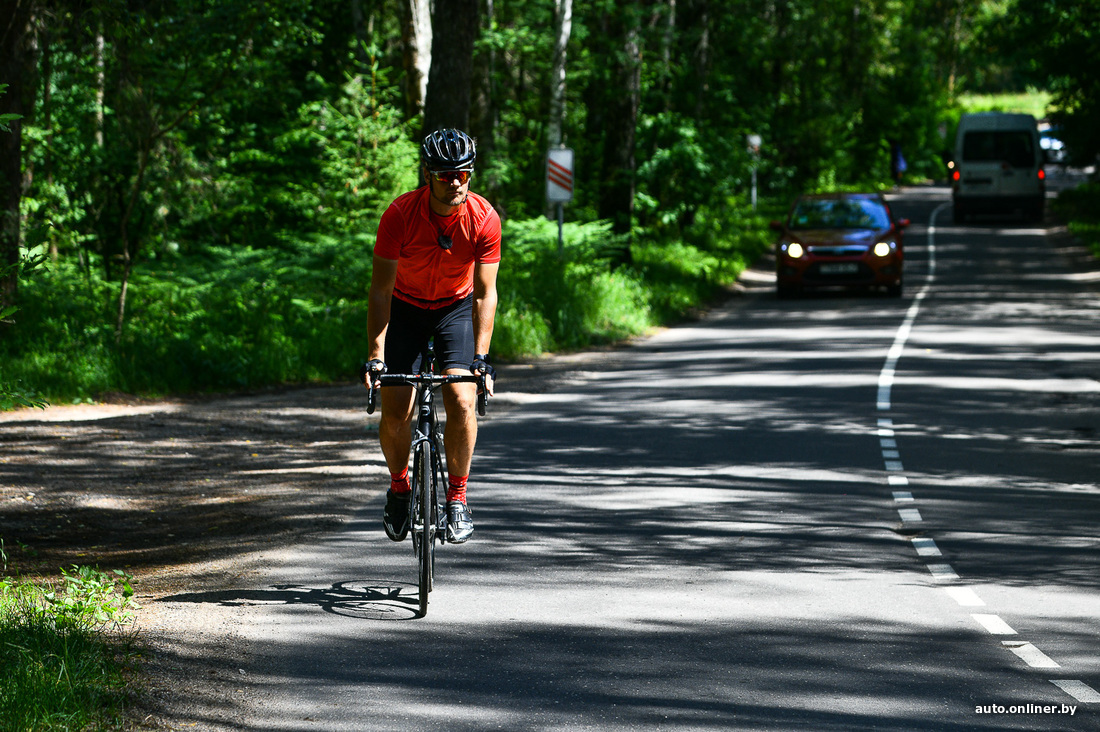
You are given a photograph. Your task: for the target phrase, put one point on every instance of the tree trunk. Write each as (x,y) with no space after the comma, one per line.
(15,19)
(416,37)
(129,250)
(485,110)
(617,191)
(359,33)
(447,103)
(45,114)
(702,59)
(563,26)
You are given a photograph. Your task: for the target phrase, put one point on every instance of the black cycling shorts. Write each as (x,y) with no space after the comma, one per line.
(411,326)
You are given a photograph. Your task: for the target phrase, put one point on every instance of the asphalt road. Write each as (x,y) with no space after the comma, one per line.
(842,512)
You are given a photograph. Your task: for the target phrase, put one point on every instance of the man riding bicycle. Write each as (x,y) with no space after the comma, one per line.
(435,266)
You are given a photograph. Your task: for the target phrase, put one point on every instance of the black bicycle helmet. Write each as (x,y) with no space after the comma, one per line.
(448,149)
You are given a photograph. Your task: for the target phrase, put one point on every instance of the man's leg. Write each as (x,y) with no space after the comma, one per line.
(395,426)
(395,437)
(460,436)
(460,433)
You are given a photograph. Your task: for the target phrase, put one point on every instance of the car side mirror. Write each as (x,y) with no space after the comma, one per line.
(902,223)
(777,225)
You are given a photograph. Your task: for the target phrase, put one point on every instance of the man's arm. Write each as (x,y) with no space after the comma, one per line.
(485,309)
(382,280)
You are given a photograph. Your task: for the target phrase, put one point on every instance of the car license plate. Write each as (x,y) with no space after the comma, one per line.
(839,268)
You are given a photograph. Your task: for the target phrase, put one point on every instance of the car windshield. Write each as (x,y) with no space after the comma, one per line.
(1014,148)
(839,213)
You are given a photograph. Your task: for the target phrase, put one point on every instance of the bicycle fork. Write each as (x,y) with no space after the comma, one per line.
(428,437)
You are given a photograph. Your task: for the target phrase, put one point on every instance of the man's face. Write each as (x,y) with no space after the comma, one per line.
(450,187)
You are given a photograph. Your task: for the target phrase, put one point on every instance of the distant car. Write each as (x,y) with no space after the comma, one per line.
(839,239)
(1053,147)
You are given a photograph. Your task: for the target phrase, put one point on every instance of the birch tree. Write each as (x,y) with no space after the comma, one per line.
(563,26)
(417,41)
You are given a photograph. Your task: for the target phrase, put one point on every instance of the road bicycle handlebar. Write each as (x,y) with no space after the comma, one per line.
(429,380)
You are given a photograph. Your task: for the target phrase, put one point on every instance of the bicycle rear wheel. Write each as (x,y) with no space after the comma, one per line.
(425,526)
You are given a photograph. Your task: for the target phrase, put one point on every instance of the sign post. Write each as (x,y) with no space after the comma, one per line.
(754,150)
(559,184)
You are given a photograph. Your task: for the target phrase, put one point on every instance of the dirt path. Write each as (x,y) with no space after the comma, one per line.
(192,495)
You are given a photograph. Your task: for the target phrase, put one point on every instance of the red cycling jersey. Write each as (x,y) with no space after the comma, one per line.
(428,275)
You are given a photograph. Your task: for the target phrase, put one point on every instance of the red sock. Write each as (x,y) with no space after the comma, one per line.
(456,488)
(399,483)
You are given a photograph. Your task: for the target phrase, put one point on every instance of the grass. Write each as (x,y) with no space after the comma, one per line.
(64,652)
(1035,103)
(1080,207)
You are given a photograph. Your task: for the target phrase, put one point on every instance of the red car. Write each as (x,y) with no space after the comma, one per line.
(839,239)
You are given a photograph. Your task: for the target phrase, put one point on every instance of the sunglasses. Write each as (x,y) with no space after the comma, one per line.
(462,177)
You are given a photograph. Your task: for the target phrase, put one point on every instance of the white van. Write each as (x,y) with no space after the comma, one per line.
(998,166)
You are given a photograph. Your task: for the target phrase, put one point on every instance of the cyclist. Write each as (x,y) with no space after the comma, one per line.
(434,274)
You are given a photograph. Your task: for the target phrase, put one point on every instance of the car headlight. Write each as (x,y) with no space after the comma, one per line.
(883,248)
(794,250)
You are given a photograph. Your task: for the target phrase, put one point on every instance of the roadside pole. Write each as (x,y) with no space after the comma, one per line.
(754,150)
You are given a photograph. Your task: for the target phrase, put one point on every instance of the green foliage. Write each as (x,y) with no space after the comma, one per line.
(681,279)
(6,119)
(62,670)
(367,158)
(1057,45)
(1081,208)
(551,301)
(246,217)
(12,393)
(232,319)
(243,318)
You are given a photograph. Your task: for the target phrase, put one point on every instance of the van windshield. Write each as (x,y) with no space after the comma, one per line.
(1015,148)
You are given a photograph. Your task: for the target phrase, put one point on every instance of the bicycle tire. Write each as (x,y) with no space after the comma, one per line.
(426,527)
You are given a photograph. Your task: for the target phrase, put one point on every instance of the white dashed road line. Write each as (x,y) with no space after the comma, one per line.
(1031,655)
(1079,690)
(964,596)
(909,515)
(925,546)
(942,572)
(994,624)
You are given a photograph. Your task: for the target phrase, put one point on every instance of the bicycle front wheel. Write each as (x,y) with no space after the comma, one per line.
(426,524)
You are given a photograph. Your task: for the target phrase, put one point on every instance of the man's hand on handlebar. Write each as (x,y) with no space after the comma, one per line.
(372,369)
(370,374)
(481,366)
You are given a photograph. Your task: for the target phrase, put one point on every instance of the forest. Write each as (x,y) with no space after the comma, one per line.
(189,189)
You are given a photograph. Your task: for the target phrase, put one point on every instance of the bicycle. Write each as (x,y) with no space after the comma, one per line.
(428,477)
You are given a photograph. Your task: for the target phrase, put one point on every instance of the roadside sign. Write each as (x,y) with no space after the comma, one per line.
(559,175)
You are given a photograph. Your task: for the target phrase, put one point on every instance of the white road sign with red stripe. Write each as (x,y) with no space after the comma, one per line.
(559,175)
